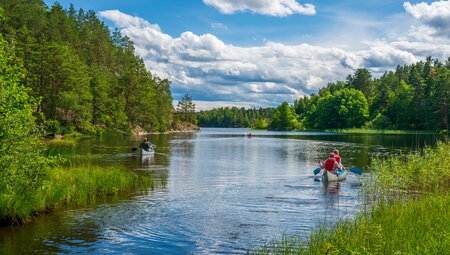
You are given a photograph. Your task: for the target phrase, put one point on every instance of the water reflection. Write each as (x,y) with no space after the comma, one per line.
(221,193)
(147,159)
(332,188)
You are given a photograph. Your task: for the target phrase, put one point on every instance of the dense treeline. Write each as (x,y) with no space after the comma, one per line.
(31,182)
(413,97)
(235,117)
(87,78)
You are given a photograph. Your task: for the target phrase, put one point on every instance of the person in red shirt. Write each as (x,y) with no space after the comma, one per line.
(330,164)
(337,157)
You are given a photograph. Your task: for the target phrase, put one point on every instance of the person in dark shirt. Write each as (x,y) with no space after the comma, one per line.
(146,145)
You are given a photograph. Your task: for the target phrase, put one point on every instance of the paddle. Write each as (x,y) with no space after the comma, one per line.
(317,171)
(355,170)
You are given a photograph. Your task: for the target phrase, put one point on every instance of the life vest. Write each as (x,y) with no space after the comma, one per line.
(329,164)
(337,158)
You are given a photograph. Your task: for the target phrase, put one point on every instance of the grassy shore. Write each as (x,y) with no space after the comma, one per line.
(378,131)
(70,186)
(409,214)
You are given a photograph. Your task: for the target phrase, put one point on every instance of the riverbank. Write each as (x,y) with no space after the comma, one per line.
(378,131)
(409,214)
(69,186)
(368,131)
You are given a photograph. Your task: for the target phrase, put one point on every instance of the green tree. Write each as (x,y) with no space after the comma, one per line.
(261,123)
(400,105)
(362,81)
(186,109)
(21,162)
(284,118)
(347,108)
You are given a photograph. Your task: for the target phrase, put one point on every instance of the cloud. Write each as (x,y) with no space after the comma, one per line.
(280,8)
(218,25)
(124,20)
(435,15)
(211,70)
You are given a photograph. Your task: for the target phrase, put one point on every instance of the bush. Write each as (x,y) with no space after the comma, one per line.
(21,149)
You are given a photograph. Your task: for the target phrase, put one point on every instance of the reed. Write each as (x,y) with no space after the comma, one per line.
(426,171)
(72,186)
(414,227)
(409,214)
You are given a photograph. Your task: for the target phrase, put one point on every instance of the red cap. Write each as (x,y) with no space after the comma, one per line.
(331,155)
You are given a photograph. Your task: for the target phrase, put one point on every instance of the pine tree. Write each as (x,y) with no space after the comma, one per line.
(186,109)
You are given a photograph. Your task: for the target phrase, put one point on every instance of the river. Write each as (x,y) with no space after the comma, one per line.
(223,193)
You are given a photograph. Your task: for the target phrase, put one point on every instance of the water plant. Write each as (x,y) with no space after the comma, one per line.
(71,186)
(409,212)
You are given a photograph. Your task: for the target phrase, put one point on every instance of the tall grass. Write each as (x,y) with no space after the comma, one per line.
(427,171)
(410,214)
(415,227)
(74,186)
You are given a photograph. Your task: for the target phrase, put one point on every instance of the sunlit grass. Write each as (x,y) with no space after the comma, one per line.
(412,174)
(409,214)
(415,227)
(72,186)
(70,141)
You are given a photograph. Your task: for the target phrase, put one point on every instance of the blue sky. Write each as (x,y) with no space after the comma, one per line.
(261,52)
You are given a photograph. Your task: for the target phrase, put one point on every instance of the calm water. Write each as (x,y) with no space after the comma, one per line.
(223,193)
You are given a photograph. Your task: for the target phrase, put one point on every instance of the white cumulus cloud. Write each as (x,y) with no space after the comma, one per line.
(435,15)
(211,70)
(280,8)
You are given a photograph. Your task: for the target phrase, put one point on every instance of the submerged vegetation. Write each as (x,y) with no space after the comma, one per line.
(409,213)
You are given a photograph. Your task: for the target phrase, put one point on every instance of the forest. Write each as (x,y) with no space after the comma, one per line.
(233,117)
(88,79)
(411,97)
(85,77)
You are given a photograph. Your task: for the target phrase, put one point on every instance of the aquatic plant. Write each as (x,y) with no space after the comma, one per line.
(414,227)
(71,186)
(409,214)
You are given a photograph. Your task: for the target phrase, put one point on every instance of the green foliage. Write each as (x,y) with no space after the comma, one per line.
(409,216)
(284,118)
(261,123)
(186,109)
(425,171)
(346,108)
(87,79)
(380,122)
(23,168)
(414,227)
(413,97)
(233,117)
(74,186)
(399,101)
